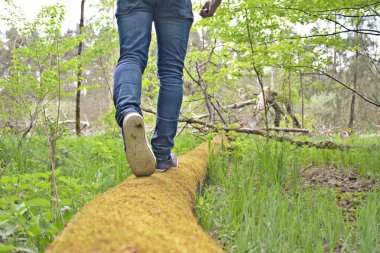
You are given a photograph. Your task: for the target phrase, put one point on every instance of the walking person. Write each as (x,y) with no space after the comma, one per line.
(172,20)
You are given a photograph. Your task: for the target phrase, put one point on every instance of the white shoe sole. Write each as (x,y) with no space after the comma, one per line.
(140,156)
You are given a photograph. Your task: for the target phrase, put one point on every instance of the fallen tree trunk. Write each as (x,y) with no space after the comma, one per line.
(319,145)
(149,214)
(263,132)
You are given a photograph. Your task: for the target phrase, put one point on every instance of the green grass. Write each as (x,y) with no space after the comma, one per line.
(253,199)
(254,202)
(86,166)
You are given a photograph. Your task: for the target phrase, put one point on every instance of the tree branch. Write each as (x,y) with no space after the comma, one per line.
(363,96)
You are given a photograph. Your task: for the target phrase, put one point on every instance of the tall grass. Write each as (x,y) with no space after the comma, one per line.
(254,200)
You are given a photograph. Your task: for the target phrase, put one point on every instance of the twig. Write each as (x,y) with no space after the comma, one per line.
(183,128)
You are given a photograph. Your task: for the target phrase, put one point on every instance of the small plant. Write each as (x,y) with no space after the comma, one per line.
(26,214)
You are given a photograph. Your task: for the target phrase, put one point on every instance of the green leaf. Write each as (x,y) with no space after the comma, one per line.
(42,175)
(6,248)
(34,230)
(49,215)
(43,185)
(66,202)
(38,203)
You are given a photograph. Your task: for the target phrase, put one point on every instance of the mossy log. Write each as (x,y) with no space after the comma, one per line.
(149,214)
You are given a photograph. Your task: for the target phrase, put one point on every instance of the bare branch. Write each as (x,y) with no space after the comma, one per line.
(361,95)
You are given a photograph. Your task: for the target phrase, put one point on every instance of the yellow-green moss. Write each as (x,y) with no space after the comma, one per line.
(151,214)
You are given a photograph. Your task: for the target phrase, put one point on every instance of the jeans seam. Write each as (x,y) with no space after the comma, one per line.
(176,11)
(129,8)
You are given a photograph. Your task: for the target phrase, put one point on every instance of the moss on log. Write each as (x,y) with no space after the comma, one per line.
(150,214)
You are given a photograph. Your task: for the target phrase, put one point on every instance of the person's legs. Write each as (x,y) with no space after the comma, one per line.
(173,20)
(134,20)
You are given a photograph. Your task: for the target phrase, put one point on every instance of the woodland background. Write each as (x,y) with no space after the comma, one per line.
(305,72)
(318,62)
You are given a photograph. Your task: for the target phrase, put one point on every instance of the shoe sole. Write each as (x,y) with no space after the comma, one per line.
(140,156)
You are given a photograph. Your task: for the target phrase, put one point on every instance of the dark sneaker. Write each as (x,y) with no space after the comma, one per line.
(163,166)
(140,157)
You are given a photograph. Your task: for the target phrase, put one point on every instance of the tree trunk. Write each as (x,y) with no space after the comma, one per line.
(353,97)
(289,105)
(352,112)
(209,107)
(278,113)
(295,121)
(271,101)
(335,54)
(79,84)
(302,102)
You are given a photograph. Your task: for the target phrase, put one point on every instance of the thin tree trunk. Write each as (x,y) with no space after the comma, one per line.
(353,97)
(105,76)
(278,113)
(79,84)
(335,54)
(208,105)
(352,111)
(53,137)
(258,72)
(302,102)
(291,113)
(289,105)
(271,100)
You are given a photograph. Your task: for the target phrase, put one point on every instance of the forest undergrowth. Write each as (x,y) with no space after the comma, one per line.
(86,166)
(274,197)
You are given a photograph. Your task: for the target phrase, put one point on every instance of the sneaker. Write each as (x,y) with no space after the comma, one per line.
(140,156)
(163,166)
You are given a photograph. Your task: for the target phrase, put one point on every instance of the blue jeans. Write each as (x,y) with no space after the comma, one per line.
(172,20)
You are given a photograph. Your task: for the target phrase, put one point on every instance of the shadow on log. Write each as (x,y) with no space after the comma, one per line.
(151,214)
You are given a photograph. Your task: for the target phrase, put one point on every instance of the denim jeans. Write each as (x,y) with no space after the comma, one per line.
(172,20)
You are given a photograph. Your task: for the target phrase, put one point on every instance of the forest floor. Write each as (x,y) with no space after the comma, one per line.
(259,196)
(352,190)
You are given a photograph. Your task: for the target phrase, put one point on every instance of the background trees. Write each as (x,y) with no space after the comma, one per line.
(318,64)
